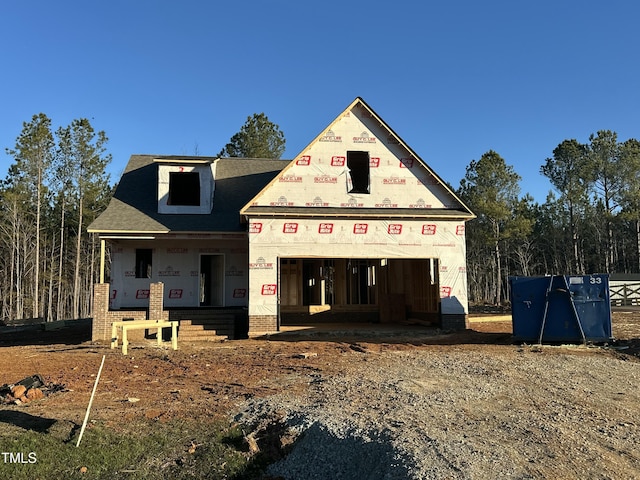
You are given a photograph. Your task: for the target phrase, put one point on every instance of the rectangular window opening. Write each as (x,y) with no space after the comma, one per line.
(358,167)
(143,262)
(184,189)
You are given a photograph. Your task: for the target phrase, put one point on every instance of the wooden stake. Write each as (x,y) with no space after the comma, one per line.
(86,417)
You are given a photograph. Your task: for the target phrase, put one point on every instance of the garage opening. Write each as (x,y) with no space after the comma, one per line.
(347,289)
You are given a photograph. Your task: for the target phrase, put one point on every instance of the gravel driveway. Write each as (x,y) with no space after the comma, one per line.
(479,413)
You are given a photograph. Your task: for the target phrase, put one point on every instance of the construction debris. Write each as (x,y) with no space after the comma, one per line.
(25,391)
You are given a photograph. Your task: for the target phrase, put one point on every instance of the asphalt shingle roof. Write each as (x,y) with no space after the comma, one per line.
(134,206)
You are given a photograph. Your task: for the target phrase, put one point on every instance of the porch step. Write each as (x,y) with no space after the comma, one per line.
(199,331)
(197,328)
(217,320)
(226,322)
(202,338)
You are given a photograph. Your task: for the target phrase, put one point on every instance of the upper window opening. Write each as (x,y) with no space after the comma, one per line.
(184,188)
(358,166)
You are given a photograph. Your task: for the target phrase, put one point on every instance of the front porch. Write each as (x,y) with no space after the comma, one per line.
(195,324)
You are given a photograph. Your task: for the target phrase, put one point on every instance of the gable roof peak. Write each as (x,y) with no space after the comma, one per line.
(356,115)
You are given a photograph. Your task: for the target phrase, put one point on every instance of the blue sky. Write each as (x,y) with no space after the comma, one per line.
(453,78)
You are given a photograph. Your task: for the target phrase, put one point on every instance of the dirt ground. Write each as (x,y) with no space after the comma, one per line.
(215,380)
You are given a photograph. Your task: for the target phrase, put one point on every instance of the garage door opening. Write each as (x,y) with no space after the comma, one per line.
(347,289)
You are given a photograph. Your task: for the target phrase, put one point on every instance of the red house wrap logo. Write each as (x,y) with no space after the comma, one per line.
(406,162)
(304,160)
(429,229)
(330,137)
(325,228)
(281,202)
(208,250)
(374,162)
(255,227)
(460,230)
(261,264)
(325,179)
(386,203)
(338,161)
(445,292)
(177,250)
(420,203)
(317,202)
(290,179)
(175,293)
(142,294)
(290,228)
(364,138)
(394,229)
(269,289)
(360,228)
(394,180)
(239,293)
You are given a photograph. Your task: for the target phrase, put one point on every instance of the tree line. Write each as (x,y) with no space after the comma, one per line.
(58,184)
(589,222)
(55,187)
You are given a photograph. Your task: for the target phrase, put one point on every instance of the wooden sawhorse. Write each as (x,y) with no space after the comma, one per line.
(139,324)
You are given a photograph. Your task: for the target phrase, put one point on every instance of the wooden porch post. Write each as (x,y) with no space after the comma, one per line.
(102,253)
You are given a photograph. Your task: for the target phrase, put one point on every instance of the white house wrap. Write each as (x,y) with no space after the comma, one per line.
(357,192)
(355,227)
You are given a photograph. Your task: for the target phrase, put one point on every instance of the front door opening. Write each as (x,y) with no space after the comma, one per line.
(211,280)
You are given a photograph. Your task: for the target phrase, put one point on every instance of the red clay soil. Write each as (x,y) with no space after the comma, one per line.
(211,379)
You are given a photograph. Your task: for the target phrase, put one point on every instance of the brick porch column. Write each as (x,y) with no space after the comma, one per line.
(100,326)
(261,324)
(156,301)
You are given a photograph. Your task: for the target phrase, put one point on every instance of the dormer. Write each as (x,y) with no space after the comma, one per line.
(185,185)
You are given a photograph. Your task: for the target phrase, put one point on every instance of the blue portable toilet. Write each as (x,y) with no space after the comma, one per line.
(561,308)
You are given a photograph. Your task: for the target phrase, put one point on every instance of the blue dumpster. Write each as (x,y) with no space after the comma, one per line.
(561,308)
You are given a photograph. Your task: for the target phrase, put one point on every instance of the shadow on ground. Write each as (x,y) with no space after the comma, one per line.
(26,420)
(319,453)
(385,333)
(72,332)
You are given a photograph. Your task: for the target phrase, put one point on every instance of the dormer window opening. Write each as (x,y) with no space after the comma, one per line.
(184,188)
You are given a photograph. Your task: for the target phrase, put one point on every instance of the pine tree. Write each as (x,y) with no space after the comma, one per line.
(258,138)
(83,158)
(33,153)
(490,188)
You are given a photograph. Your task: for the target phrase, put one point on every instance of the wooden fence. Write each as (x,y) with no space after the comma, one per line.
(624,294)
